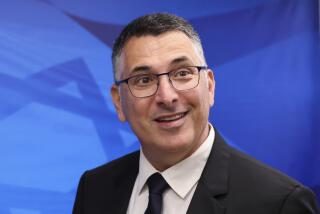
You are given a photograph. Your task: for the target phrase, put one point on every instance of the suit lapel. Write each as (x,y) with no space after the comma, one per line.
(124,183)
(203,202)
(213,181)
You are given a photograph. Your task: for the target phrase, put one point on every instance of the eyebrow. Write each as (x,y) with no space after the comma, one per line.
(145,68)
(142,68)
(179,60)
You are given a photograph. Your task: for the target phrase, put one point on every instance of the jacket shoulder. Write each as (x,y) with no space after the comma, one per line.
(254,181)
(251,169)
(101,188)
(114,167)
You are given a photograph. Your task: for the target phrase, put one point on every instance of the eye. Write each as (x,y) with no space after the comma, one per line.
(143,80)
(183,73)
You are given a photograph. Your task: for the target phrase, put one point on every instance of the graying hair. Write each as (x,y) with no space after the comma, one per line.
(152,24)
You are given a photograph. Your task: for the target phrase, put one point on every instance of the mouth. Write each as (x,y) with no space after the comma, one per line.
(171,118)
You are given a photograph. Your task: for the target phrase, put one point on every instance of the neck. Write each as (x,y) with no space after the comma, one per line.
(162,159)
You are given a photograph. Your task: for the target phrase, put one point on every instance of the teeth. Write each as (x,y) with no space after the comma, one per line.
(175,117)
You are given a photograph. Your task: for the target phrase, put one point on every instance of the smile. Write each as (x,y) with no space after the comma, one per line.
(171,118)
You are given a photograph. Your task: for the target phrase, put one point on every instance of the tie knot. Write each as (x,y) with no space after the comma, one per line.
(156,184)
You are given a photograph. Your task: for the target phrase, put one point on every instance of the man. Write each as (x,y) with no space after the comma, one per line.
(164,89)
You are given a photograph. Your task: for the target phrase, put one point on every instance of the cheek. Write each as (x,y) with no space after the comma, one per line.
(203,100)
(126,101)
(135,109)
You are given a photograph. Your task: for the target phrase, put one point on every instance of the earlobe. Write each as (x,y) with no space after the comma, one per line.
(117,102)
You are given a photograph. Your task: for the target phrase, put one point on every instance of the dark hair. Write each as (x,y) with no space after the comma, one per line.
(152,24)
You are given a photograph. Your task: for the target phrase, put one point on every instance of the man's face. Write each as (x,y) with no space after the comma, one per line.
(169,122)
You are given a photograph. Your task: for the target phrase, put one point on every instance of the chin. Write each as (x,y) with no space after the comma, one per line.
(176,145)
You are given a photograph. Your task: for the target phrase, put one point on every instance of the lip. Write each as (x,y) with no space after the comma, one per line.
(169,121)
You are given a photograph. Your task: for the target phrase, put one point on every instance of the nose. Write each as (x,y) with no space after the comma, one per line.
(166,95)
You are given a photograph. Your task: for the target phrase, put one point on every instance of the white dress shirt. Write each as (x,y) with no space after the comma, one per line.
(182,179)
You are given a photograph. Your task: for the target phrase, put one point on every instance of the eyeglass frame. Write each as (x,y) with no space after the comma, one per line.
(198,67)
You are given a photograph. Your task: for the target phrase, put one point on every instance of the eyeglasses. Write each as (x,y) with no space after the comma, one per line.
(146,85)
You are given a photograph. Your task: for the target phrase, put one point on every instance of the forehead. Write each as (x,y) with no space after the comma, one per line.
(158,52)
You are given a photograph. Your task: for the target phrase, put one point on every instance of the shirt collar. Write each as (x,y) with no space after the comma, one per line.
(189,170)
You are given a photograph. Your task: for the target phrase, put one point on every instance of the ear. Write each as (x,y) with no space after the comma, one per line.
(115,93)
(211,86)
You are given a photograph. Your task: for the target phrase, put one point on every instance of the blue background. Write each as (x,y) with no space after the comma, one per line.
(56,115)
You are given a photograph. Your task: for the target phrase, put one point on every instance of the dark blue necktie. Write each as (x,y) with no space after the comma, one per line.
(157,185)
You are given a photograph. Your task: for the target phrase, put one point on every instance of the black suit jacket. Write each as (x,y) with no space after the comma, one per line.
(231,183)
